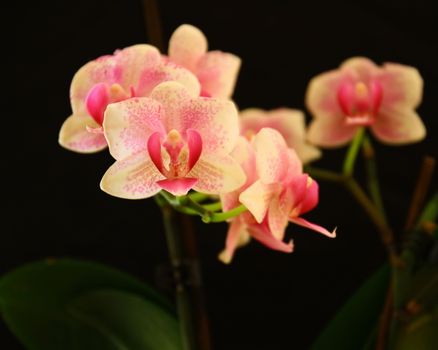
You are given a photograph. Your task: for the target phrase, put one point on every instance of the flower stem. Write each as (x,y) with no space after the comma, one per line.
(371,169)
(220,217)
(352,152)
(174,245)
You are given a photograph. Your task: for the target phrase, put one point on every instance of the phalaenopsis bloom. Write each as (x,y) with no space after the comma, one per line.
(172,140)
(216,70)
(290,123)
(276,192)
(362,94)
(130,72)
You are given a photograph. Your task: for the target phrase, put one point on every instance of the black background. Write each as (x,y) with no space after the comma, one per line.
(265,299)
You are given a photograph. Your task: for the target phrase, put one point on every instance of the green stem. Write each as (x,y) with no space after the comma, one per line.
(322,174)
(220,217)
(371,169)
(352,152)
(198,196)
(216,206)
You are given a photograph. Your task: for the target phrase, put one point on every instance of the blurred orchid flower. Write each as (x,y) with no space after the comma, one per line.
(276,192)
(290,123)
(360,94)
(133,71)
(216,70)
(173,140)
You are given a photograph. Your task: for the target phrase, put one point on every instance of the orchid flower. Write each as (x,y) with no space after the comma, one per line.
(276,192)
(360,94)
(216,70)
(171,140)
(289,122)
(133,71)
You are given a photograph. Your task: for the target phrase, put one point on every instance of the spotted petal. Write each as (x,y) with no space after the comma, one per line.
(129,124)
(132,178)
(75,137)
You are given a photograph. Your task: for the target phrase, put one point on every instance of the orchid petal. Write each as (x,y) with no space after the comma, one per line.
(398,127)
(262,234)
(360,68)
(187,45)
(217,72)
(237,236)
(402,86)
(302,222)
(217,175)
(179,186)
(271,155)
(132,178)
(129,124)
(257,197)
(215,120)
(74,135)
(330,132)
(194,143)
(290,123)
(278,216)
(154,149)
(311,197)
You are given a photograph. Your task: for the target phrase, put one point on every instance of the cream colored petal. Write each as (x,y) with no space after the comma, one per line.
(74,135)
(217,175)
(257,198)
(330,133)
(187,45)
(132,178)
(402,86)
(398,127)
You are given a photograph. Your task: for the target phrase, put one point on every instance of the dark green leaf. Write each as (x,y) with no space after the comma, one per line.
(38,302)
(351,327)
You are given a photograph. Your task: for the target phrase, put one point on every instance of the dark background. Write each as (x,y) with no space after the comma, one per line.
(265,299)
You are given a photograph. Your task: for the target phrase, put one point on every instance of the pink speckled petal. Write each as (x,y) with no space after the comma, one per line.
(263,235)
(217,71)
(278,216)
(194,143)
(244,154)
(178,187)
(217,175)
(402,86)
(187,45)
(237,236)
(330,132)
(152,76)
(124,68)
(257,198)
(132,178)
(215,120)
(154,149)
(398,127)
(314,227)
(74,135)
(129,124)
(271,155)
(290,123)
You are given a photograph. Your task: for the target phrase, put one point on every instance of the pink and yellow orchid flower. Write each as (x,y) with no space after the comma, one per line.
(291,124)
(133,71)
(216,70)
(276,192)
(172,140)
(360,94)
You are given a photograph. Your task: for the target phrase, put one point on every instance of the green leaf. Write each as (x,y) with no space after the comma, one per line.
(352,325)
(46,304)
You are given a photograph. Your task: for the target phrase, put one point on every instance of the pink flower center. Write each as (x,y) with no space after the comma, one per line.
(101,95)
(174,157)
(360,102)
